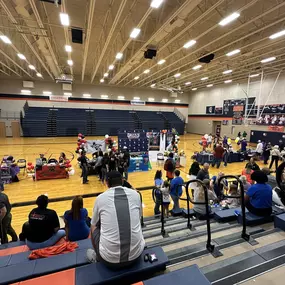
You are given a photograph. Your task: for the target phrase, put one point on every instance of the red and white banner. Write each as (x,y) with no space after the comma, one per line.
(276,129)
(58,98)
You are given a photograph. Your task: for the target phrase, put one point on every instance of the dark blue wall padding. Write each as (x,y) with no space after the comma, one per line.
(279,222)
(98,273)
(5,260)
(226,215)
(185,276)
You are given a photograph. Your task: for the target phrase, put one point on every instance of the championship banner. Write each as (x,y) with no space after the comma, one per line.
(94,146)
(58,98)
(279,129)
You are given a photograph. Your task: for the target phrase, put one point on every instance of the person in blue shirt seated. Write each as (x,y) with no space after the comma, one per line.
(176,191)
(76,227)
(258,198)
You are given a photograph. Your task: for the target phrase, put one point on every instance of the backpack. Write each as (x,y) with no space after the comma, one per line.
(169,165)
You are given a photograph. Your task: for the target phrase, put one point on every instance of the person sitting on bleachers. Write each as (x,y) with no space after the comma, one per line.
(258,198)
(247,173)
(116,232)
(75,219)
(232,202)
(244,182)
(199,196)
(43,226)
(6,219)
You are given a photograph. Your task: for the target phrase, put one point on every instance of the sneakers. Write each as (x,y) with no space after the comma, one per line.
(91,255)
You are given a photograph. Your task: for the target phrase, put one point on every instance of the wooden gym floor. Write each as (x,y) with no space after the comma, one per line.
(28,190)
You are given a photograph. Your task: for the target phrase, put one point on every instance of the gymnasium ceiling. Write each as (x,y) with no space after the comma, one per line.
(35,30)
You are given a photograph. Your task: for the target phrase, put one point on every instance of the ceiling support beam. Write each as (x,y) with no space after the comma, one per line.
(8,67)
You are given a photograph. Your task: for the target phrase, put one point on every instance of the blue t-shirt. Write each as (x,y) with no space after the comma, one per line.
(158,183)
(260,195)
(77,229)
(176,186)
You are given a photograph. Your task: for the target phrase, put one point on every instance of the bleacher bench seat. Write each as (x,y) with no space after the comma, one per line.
(227,215)
(184,276)
(279,221)
(19,268)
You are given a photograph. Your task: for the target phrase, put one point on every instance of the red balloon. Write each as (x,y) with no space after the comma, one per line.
(29,168)
(78,143)
(67,162)
(29,163)
(32,167)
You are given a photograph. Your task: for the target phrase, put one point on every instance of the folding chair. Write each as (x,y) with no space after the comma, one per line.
(160,159)
(22,164)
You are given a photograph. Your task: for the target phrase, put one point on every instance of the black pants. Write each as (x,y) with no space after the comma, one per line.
(276,159)
(6,229)
(266,157)
(261,212)
(84,173)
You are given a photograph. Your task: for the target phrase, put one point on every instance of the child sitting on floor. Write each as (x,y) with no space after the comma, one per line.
(165,198)
(232,202)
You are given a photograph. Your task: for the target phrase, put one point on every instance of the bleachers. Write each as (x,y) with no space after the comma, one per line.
(41,121)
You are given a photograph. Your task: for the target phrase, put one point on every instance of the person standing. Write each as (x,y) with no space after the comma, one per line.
(209,140)
(243,145)
(176,191)
(84,166)
(226,155)
(105,167)
(239,134)
(204,172)
(158,182)
(218,155)
(275,155)
(252,164)
(116,232)
(6,220)
(169,166)
(244,134)
(126,163)
(98,164)
(266,152)
(259,148)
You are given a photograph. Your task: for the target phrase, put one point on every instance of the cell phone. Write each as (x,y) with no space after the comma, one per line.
(152,258)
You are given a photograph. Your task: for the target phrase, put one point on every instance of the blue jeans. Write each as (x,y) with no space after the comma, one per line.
(50,242)
(176,207)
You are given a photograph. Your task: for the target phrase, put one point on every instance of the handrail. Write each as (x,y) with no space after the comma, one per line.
(161,204)
(210,247)
(244,234)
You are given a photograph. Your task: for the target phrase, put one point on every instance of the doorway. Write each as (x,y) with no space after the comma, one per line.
(15,129)
(2,130)
(216,130)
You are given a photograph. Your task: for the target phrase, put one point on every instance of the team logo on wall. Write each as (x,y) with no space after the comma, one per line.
(133,136)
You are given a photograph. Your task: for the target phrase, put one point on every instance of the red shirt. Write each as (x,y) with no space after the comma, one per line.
(219,151)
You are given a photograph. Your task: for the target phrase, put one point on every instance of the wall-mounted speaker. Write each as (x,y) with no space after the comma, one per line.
(150,53)
(77,35)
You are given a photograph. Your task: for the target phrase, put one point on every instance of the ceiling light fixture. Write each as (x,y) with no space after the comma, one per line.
(70,62)
(204,78)
(146,71)
(86,95)
(277,35)
(236,51)
(5,39)
(64,19)
(210,85)
(137,98)
(227,71)
(177,101)
(156,3)
(150,99)
(190,44)
(47,93)
(187,83)
(32,67)
(106,74)
(39,75)
(26,91)
(229,19)
(68,48)
(119,55)
(268,59)
(121,97)
(152,85)
(228,81)
(194,89)
(254,75)
(111,67)
(164,100)
(135,32)
(162,61)
(67,94)
(21,56)
(197,67)
(177,75)
(104,96)
(136,78)
(102,80)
